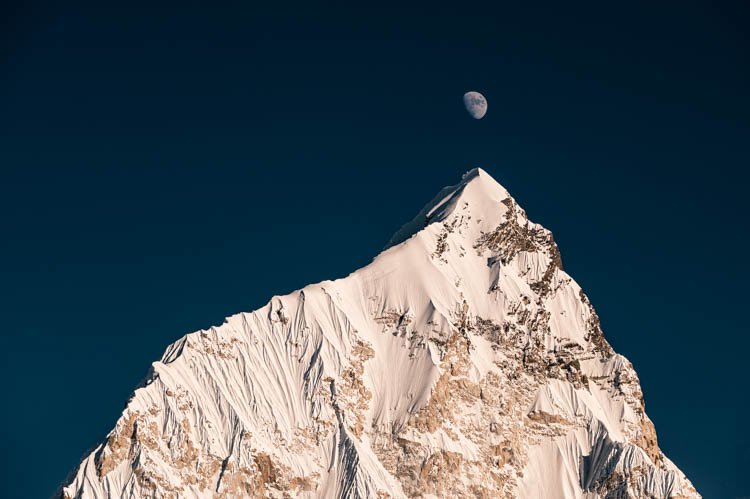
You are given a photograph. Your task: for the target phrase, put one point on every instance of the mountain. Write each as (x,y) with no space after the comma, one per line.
(462,362)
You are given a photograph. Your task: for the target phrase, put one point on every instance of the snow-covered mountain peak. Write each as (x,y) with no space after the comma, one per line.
(463,361)
(476,189)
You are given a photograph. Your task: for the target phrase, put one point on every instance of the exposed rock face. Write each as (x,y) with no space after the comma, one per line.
(463,362)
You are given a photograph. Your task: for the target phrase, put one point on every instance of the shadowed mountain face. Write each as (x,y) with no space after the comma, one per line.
(463,361)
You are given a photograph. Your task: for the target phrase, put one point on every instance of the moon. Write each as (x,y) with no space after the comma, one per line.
(475,104)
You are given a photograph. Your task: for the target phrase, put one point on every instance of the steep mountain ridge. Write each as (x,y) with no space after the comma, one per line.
(463,361)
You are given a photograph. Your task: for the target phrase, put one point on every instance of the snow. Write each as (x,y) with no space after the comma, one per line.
(324,380)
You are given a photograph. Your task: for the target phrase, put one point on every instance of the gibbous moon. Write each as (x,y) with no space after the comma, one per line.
(476,104)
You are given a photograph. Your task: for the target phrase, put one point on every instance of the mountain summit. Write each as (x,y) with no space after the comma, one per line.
(462,362)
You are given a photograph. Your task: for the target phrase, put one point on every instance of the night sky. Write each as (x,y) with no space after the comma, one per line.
(163,168)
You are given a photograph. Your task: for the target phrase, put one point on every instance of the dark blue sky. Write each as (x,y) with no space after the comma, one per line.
(163,168)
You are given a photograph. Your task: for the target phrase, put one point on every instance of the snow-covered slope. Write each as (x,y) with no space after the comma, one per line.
(463,361)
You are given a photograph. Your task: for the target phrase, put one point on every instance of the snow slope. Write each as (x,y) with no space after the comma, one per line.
(463,361)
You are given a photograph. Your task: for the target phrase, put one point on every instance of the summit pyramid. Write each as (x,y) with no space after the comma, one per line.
(462,362)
